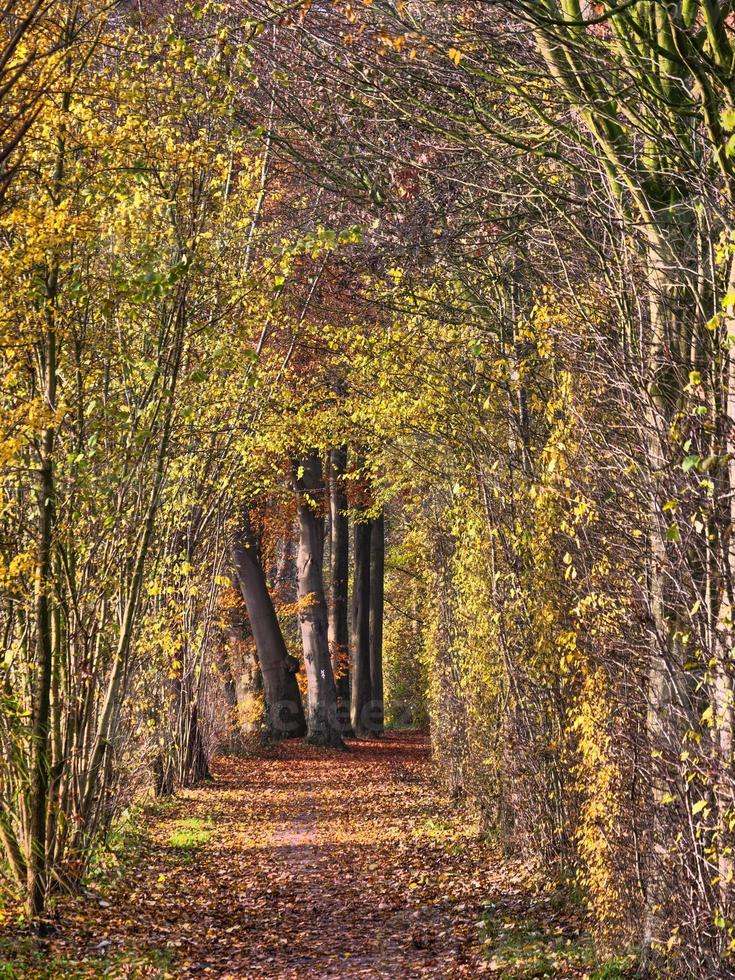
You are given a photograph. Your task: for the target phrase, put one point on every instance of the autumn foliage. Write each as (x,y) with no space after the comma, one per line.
(369,366)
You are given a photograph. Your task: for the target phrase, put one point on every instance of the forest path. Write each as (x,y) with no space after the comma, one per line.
(300,863)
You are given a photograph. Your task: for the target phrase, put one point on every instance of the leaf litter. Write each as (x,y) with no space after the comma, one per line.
(297,862)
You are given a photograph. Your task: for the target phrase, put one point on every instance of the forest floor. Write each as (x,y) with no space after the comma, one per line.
(300,863)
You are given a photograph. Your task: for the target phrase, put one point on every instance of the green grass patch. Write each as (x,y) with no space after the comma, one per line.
(526,949)
(617,968)
(22,958)
(190,833)
(156,963)
(114,856)
(531,948)
(437,829)
(25,958)
(453,835)
(418,727)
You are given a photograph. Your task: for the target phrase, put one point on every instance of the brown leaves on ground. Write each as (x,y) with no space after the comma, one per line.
(297,863)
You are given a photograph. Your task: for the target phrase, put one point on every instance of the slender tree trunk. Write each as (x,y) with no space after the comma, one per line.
(377,588)
(163,776)
(284,713)
(12,851)
(360,653)
(109,712)
(40,761)
(196,767)
(36,861)
(322,696)
(56,749)
(724,696)
(670,710)
(339,558)
(661,668)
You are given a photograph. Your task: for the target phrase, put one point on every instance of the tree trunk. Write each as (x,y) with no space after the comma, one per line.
(669,711)
(724,701)
(284,578)
(284,714)
(323,727)
(163,776)
(377,588)
(339,558)
(40,759)
(196,767)
(36,862)
(360,654)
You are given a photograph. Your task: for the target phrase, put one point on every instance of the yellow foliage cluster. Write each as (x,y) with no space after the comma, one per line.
(497,599)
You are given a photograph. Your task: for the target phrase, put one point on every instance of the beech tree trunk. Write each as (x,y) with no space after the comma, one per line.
(323,727)
(339,560)
(360,653)
(284,713)
(377,588)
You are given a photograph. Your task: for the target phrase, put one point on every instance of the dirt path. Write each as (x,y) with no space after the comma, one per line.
(297,864)
(300,864)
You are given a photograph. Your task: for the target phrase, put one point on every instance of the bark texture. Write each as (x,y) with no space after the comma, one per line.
(377,601)
(360,652)
(323,727)
(284,713)
(338,611)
